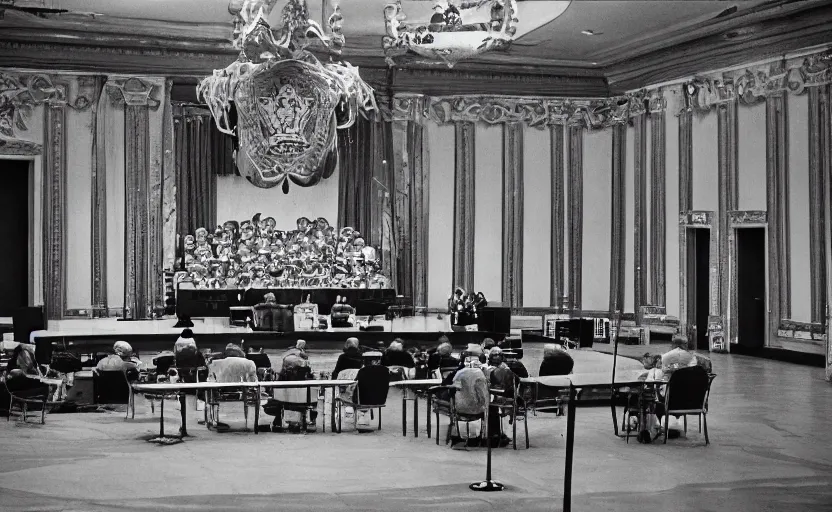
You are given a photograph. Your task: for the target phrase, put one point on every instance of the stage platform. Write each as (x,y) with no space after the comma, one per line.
(93,335)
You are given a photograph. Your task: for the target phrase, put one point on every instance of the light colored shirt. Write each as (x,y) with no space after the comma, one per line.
(232,369)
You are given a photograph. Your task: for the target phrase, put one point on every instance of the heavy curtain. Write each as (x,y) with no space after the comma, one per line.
(365,184)
(202,153)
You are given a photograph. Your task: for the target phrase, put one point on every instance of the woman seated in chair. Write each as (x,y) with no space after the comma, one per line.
(395,356)
(500,377)
(23,372)
(122,359)
(556,361)
(294,369)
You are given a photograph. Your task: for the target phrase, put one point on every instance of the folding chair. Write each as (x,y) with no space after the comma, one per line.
(373,383)
(687,393)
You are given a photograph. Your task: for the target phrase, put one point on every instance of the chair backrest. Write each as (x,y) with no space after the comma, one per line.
(688,389)
(111,387)
(232,369)
(260,360)
(373,385)
(473,395)
(297,395)
(446,371)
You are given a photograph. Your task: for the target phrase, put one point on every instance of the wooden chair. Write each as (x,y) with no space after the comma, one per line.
(512,404)
(113,387)
(455,395)
(687,393)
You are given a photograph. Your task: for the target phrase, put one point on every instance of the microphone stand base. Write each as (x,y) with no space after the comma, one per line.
(487,486)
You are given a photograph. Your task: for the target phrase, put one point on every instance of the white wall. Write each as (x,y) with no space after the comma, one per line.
(751,156)
(798,198)
(705,163)
(488,208)
(597,242)
(114,122)
(79,209)
(629,221)
(672,205)
(537,218)
(239,200)
(441,140)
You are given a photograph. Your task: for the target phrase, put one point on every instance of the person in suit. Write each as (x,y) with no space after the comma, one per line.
(349,359)
(556,361)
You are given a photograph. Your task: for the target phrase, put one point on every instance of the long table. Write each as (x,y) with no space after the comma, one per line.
(179,388)
(198,303)
(414,385)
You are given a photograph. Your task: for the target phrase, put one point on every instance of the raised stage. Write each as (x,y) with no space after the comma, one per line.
(194,302)
(93,335)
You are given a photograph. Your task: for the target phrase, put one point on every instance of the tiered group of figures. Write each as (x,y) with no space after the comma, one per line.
(254,254)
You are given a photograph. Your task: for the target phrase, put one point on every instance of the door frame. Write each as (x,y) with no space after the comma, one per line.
(697,219)
(35,279)
(740,219)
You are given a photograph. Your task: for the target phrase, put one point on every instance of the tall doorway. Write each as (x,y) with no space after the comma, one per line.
(698,285)
(14,233)
(751,287)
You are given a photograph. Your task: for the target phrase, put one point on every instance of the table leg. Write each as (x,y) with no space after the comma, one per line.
(257,409)
(404,411)
(570,448)
(416,414)
(332,410)
(162,417)
(429,399)
(613,394)
(183,400)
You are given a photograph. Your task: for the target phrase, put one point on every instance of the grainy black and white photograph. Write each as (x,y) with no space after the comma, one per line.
(421,255)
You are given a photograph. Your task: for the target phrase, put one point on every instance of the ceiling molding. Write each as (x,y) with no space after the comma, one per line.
(774,32)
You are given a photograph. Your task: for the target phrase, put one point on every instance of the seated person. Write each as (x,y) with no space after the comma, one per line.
(396,356)
(24,374)
(232,350)
(680,357)
(500,376)
(298,350)
(123,359)
(487,345)
(514,364)
(556,361)
(443,357)
(294,369)
(187,355)
(349,359)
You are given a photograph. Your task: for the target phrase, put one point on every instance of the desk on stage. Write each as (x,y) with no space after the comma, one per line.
(200,303)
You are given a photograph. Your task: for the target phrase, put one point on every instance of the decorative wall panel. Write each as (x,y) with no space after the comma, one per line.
(685,205)
(169,212)
(777,207)
(575,200)
(640,263)
(556,135)
(99,202)
(54,220)
(419,160)
(513,215)
(727,191)
(618,233)
(658,209)
(464,214)
(819,141)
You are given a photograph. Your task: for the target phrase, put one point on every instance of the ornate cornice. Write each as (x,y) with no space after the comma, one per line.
(535,112)
(754,84)
(744,217)
(133,92)
(696,218)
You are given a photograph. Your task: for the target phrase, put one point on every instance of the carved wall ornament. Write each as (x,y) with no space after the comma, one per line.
(814,71)
(19,95)
(744,217)
(448,35)
(133,92)
(696,218)
(288,104)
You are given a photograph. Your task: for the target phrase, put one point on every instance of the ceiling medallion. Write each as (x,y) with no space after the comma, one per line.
(282,103)
(449,35)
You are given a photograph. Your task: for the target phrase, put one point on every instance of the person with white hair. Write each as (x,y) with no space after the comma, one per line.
(299,350)
(121,359)
(349,359)
(396,356)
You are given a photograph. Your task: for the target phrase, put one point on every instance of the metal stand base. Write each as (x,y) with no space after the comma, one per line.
(487,486)
(165,440)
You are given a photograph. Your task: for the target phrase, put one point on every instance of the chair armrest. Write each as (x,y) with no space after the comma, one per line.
(436,389)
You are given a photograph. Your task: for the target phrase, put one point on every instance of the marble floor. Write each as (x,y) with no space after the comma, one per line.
(769,426)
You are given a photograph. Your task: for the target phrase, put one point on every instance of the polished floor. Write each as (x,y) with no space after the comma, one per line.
(770,450)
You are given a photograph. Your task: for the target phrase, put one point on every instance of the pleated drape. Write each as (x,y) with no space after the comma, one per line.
(364,155)
(196,191)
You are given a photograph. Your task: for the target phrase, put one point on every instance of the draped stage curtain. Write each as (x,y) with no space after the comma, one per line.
(201,154)
(365,155)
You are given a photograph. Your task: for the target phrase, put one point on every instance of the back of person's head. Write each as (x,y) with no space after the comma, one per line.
(269,298)
(122,349)
(186,334)
(232,350)
(550,350)
(679,341)
(301,345)
(351,343)
(488,344)
(445,348)
(495,357)
(443,339)
(396,346)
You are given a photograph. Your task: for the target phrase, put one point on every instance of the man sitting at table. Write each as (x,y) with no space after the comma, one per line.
(298,350)
(396,356)
(442,358)
(294,369)
(349,359)
(556,361)
(122,359)
(500,377)
(514,364)
(678,357)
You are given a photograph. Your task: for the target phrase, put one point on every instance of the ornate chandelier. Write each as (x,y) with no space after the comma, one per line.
(288,105)
(447,36)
